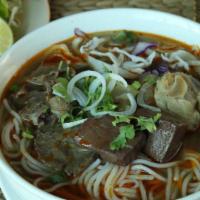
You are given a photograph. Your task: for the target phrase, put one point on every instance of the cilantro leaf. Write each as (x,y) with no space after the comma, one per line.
(118,143)
(60,88)
(129,131)
(120,119)
(148,123)
(125,133)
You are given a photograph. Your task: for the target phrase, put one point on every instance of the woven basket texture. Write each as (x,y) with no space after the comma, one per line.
(186,8)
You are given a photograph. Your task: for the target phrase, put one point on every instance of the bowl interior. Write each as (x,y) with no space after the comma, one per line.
(100,20)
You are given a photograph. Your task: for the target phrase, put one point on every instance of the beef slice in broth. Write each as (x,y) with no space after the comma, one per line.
(58,150)
(98,133)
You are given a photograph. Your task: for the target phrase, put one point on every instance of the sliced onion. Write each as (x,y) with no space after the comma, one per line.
(99,65)
(91,45)
(94,85)
(181,58)
(111,85)
(137,61)
(78,77)
(116,62)
(140,98)
(129,111)
(76,44)
(80,96)
(114,79)
(141,47)
(74,123)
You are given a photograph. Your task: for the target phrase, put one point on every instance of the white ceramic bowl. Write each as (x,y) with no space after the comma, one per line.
(15,187)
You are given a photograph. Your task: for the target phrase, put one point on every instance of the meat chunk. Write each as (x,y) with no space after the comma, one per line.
(166,141)
(97,134)
(59,150)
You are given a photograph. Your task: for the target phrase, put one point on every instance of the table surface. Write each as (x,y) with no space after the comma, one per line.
(186,8)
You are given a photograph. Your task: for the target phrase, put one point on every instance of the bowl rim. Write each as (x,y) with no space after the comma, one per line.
(3,163)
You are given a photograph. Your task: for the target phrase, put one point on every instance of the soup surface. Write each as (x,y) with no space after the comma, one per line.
(111,115)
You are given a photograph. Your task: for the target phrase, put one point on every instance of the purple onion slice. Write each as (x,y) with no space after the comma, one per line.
(79,33)
(163,67)
(141,47)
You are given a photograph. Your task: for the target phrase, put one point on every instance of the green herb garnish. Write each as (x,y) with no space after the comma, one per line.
(27,134)
(136,85)
(107,103)
(121,119)
(15,88)
(148,123)
(60,88)
(57,178)
(124,37)
(125,133)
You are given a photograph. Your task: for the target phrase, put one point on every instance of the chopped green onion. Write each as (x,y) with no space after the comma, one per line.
(27,134)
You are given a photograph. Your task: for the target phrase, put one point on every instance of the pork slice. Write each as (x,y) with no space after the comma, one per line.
(58,150)
(98,133)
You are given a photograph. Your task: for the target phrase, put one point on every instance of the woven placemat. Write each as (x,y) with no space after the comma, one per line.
(186,8)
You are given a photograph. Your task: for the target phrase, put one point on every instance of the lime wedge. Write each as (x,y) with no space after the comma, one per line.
(6,36)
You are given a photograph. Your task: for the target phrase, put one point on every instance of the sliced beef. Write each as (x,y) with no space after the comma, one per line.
(166,141)
(59,151)
(98,133)
(34,106)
